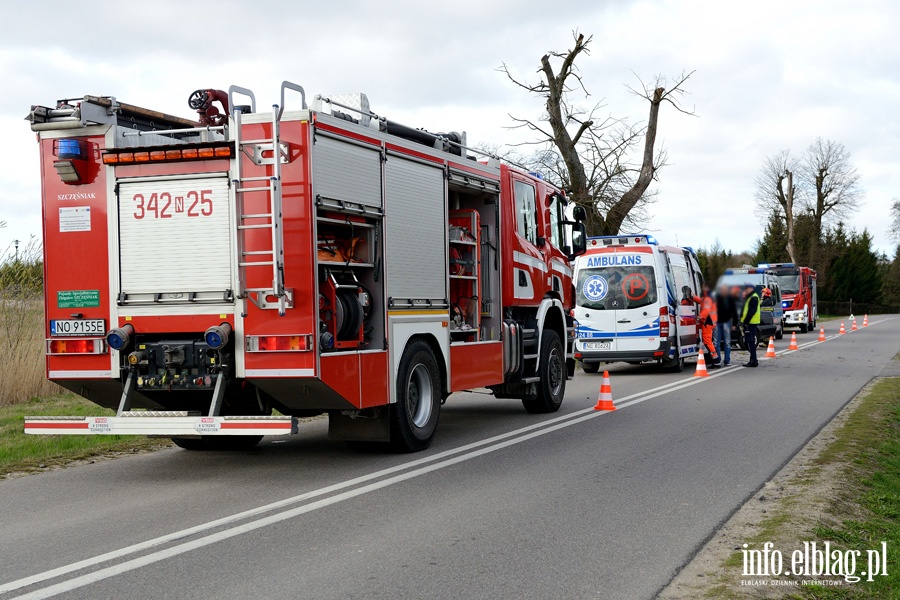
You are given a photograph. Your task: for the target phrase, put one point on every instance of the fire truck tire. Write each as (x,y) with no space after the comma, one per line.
(233,443)
(552,371)
(590,367)
(190,443)
(414,417)
(804,327)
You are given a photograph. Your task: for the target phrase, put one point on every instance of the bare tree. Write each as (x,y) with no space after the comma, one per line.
(776,193)
(895,219)
(590,153)
(833,183)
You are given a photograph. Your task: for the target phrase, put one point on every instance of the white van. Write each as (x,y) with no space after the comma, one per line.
(634,302)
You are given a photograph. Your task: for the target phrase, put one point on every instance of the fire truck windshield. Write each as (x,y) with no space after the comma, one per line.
(788,282)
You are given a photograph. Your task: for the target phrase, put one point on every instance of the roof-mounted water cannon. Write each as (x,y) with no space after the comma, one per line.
(202,101)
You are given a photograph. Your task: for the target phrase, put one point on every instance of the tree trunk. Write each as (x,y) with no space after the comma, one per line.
(818,214)
(789,216)
(619,211)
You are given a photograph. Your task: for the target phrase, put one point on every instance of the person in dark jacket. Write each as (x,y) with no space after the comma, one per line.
(727,313)
(751,316)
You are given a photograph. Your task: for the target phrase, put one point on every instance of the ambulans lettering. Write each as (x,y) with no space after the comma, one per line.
(613,261)
(595,288)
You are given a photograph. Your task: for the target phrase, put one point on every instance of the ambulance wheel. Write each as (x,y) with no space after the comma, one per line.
(676,365)
(414,417)
(590,367)
(552,371)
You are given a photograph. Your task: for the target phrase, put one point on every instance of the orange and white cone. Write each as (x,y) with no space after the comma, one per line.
(793,344)
(821,334)
(854,327)
(842,331)
(770,351)
(865,320)
(701,371)
(605,401)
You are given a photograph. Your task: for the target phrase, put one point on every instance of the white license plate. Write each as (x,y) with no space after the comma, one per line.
(78,327)
(597,345)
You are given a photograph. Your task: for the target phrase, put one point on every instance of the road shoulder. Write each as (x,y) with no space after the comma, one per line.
(808,498)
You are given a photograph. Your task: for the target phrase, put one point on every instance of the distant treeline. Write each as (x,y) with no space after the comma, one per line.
(848,268)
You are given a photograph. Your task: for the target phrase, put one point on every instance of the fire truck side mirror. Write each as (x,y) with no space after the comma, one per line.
(579,239)
(579,214)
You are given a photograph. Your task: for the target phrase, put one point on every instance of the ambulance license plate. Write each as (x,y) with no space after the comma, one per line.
(78,327)
(597,345)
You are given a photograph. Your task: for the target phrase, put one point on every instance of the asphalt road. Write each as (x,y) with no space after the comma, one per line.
(580,504)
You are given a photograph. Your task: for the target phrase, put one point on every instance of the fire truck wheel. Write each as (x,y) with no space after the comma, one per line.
(190,443)
(552,371)
(590,367)
(234,443)
(414,417)
(804,327)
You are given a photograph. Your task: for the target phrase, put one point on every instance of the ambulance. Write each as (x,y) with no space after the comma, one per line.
(634,302)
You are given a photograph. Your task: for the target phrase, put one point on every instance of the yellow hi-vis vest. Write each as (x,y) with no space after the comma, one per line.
(757,316)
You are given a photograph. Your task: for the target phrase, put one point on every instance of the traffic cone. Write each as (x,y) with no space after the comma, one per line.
(865,320)
(854,327)
(605,401)
(821,334)
(842,331)
(770,351)
(701,371)
(793,344)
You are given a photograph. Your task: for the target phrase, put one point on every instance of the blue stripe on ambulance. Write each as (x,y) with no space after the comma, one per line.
(650,329)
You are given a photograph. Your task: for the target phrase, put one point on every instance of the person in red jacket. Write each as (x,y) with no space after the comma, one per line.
(706,319)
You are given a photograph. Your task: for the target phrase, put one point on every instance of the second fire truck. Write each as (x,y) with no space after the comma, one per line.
(214,279)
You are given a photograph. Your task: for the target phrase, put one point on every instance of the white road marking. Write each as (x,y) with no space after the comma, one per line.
(462,454)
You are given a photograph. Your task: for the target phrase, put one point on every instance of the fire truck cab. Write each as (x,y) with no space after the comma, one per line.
(212,280)
(798,294)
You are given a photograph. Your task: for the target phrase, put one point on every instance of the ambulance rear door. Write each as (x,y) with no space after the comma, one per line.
(618,291)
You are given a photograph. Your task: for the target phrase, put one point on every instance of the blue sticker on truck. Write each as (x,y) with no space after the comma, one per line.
(595,288)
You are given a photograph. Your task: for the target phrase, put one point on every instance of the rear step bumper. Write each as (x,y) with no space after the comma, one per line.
(161,423)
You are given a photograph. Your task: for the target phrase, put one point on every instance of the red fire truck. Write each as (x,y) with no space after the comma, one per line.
(202,275)
(798,294)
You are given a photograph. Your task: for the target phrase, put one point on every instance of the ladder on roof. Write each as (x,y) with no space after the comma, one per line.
(262,152)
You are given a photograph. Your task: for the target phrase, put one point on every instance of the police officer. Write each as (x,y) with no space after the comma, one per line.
(750,318)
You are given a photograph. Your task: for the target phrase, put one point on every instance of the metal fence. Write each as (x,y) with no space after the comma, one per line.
(856,308)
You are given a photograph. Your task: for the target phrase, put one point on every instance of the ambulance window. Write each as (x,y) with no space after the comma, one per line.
(683,283)
(556,222)
(616,287)
(526,211)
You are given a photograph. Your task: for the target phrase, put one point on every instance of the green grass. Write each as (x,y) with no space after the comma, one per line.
(24,453)
(868,511)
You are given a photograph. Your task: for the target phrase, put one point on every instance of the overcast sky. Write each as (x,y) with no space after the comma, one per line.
(770,75)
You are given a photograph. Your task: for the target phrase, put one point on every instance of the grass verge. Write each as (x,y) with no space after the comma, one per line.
(20,453)
(867,511)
